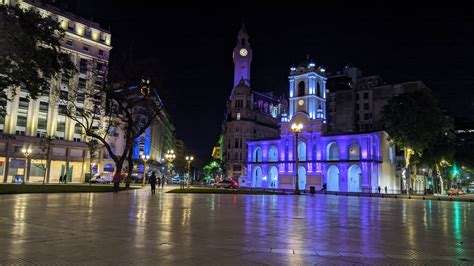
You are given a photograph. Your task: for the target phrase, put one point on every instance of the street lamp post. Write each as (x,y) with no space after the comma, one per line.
(145,159)
(26,152)
(296,128)
(189,159)
(170,156)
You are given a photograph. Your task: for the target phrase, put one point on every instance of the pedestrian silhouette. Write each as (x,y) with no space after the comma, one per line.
(116,181)
(385,189)
(379,189)
(152,181)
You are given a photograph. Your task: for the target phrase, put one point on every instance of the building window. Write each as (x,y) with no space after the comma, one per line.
(42,122)
(301,88)
(366,95)
(237,129)
(357,96)
(70,25)
(101,52)
(236,143)
(21,121)
(366,116)
(23,103)
(366,106)
(63,95)
(62,109)
(238,116)
(239,104)
(80,97)
(85,48)
(83,65)
(69,43)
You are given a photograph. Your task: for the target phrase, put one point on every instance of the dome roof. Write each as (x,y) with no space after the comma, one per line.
(241,88)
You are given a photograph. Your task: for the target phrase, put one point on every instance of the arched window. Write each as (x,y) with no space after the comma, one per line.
(301,151)
(332,152)
(354,151)
(273,154)
(301,87)
(332,178)
(318,89)
(257,154)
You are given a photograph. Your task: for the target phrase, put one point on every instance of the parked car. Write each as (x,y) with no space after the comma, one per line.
(455,192)
(225,184)
(101,179)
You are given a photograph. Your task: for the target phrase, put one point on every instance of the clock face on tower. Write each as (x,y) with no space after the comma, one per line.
(243,52)
(301,102)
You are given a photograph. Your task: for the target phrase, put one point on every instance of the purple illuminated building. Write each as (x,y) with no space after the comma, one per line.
(345,162)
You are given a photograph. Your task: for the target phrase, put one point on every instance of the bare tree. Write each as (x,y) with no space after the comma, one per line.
(107,108)
(93,145)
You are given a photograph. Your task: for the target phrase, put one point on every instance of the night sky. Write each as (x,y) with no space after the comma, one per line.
(189,47)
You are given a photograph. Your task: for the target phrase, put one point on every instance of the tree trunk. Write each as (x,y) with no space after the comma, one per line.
(90,168)
(406,173)
(438,172)
(130,166)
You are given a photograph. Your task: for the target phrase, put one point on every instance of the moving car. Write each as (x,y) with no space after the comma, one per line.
(455,192)
(225,184)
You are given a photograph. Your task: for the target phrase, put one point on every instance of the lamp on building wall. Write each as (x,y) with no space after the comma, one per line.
(189,159)
(145,159)
(26,152)
(296,128)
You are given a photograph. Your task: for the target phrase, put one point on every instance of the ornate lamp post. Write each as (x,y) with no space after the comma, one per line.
(296,128)
(189,159)
(26,152)
(145,159)
(170,156)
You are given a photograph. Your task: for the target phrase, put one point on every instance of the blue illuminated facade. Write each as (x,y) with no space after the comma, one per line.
(347,162)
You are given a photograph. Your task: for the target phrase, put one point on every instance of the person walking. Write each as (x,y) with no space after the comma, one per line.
(158,179)
(152,180)
(163,178)
(65,178)
(379,189)
(116,181)
(385,189)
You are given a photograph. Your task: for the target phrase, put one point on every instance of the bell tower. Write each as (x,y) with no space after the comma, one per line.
(308,90)
(242,57)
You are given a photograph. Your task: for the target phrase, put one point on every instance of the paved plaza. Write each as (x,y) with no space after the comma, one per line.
(134,227)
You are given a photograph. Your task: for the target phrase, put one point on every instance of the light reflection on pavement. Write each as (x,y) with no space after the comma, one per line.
(135,227)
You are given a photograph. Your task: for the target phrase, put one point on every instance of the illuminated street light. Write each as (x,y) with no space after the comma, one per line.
(170,156)
(296,128)
(145,159)
(189,159)
(26,152)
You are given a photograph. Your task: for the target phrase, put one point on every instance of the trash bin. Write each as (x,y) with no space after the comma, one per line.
(312,190)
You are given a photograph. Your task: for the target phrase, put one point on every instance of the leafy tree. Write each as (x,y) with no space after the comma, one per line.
(30,53)
(413,121)
(437,156)
(214,169)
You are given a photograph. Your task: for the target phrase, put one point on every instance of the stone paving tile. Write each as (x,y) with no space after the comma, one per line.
(123,228)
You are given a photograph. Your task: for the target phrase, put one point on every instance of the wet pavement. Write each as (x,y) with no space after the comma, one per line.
(134,227)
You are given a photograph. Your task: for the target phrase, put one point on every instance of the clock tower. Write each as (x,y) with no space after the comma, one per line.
(242,57)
